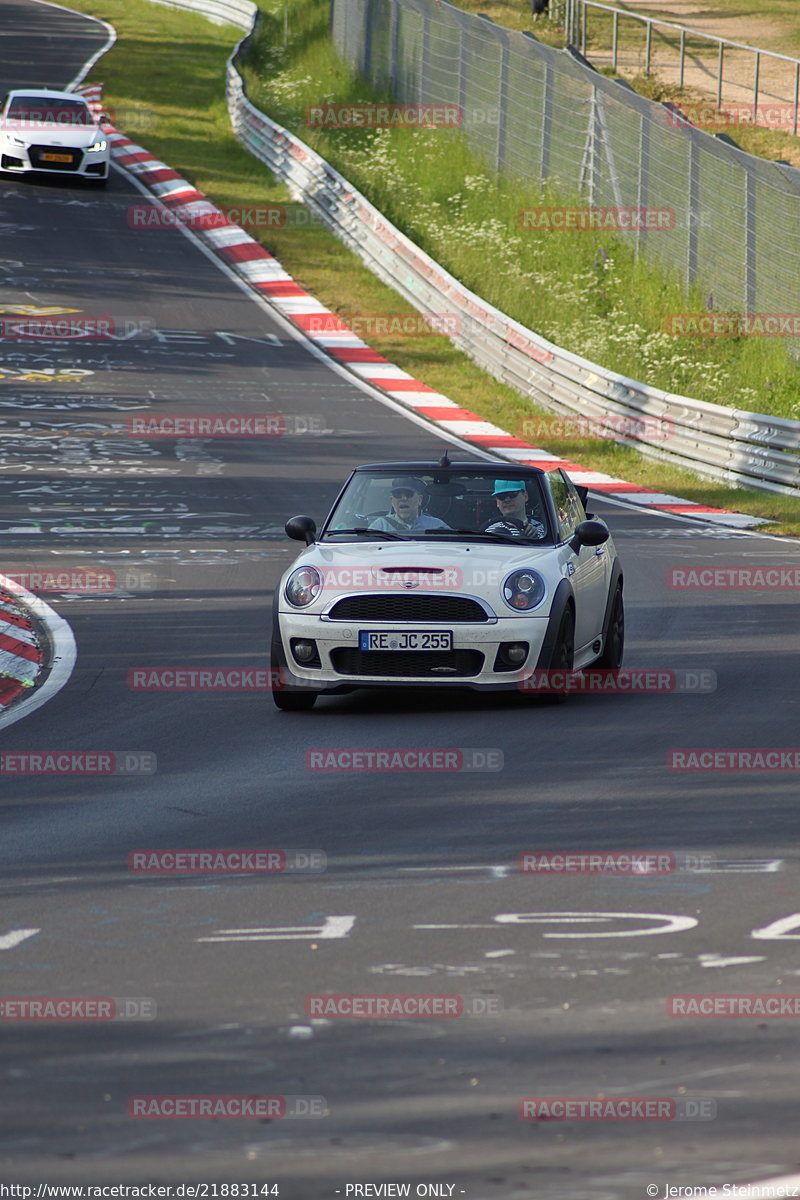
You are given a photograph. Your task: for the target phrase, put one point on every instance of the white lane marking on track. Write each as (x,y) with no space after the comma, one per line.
(673,924)
(41,882)
(9,940)
(716,960)
(779,929)
(498,872)
(444,926)
(333,927)
(644,1083)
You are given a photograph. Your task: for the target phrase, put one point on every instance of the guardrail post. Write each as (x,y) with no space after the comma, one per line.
(750,259)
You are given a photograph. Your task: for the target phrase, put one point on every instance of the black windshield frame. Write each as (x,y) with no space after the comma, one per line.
(437,479)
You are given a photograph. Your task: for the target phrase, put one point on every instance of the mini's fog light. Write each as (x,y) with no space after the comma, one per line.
(516,653)
(304,651)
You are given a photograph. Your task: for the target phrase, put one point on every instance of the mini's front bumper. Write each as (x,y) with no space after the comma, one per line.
(474,644)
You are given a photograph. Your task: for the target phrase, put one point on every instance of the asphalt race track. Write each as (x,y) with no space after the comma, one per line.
(575,971)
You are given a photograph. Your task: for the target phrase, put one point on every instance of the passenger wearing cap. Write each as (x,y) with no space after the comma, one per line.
(405,515)
(515,521)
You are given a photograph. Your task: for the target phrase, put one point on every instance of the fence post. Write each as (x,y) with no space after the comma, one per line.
(590,163)
(394,43)
(424,57)
(644,169)
(750,260)
(614,40)
(719,75)
(755,86)
(369,14)
(683,57)
(502,102)
(694,201)
(547,122)
(462,69)
(648,41)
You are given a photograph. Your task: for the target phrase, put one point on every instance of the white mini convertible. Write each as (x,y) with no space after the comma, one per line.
(446,575)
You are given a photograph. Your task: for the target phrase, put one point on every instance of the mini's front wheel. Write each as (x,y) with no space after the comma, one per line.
(287,699)
(614,647)
(291,701)
(563,655)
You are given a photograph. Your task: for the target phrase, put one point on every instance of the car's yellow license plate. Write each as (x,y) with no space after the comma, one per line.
(57,158)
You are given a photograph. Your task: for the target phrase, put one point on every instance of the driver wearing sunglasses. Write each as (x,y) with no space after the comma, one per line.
(511,497)
(405,515)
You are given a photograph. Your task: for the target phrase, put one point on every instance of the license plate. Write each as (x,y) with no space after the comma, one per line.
(57,158)
(402,639)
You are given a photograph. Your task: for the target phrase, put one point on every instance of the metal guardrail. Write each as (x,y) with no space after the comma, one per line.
(577,26)
(731,445)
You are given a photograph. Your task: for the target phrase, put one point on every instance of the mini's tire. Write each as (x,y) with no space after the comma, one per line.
(563,653)
(291,701)
(564,649)
(288,699)
(614,644)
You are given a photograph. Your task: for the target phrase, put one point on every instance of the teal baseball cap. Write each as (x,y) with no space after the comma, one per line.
(508,485)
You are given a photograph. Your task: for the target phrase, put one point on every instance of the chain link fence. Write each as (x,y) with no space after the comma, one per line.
(546,115)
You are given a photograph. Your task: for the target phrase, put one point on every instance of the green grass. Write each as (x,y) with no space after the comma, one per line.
(164,78)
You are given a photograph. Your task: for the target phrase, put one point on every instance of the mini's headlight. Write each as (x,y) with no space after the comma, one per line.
(100,144)
(303,586)
(524,590)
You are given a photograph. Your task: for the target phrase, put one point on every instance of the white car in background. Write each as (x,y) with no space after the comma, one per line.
(45,132)
(446,575)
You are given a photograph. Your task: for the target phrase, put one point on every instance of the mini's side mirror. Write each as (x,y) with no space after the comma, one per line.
(302,529)
(589,533)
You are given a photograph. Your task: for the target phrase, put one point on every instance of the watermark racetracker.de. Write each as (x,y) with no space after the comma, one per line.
(437,759)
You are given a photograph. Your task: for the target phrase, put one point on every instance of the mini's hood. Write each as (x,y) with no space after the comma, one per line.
(472,569)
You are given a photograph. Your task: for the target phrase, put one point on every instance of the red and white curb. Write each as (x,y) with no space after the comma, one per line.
(266,276)
(37,652)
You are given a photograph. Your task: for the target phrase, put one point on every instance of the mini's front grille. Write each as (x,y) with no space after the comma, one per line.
(398,606)
(418,664)
(67,160)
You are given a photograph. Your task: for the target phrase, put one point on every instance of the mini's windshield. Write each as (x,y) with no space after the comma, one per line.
(442,504)
(48,110)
